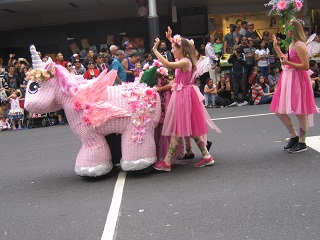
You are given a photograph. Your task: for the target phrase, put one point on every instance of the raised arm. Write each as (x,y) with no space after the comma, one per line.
(183,64)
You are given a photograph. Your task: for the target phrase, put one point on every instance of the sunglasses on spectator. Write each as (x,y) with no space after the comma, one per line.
(251,25)
(77,61)
(90,63)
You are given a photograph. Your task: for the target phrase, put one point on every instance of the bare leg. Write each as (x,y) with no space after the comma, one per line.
(285,119)
(303,125)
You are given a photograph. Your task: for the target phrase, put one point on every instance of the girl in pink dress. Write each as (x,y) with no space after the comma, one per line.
(293,93)
(186,115)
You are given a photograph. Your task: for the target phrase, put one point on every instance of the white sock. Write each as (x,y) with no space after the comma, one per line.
(206,157)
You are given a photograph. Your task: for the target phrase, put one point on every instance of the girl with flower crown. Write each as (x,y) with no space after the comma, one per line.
(293,93)
(185,115)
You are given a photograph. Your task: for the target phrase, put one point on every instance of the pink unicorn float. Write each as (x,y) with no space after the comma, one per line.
(95,109)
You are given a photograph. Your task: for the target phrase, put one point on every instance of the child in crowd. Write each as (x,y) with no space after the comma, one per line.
(16,112)
(218,47)
(185,115)
(210,92)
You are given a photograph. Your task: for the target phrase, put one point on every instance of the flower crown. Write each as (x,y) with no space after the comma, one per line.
(40,75)
(177,39)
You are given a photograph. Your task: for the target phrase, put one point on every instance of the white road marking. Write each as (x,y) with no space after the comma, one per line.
(245,116)
(110,226)
(314,142)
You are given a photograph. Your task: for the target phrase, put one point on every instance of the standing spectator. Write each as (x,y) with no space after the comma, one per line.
(243,43)
(112,55)
(60,59)
(12,78)
(117,65)
(78,67)
(88,58)
(229,40)
(147,59)
(294,91)
(129,66)
(164,51)
(209,49)
(238,73)
(261,56)
(243,29)
(236,34)
(92,72)
(99,63)
(267,40)
(251,34)
(70,68)
(128,49)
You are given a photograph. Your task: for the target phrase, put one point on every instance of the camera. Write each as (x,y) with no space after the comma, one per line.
(238,50)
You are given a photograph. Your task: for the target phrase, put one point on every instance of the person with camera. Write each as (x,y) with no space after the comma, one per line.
(239,72)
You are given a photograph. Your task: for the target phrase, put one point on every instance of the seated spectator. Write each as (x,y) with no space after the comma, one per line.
(260,91)
(210,92)
(273,77)
(315,79)
(198,84)
(224,87)
(255,72)
(4,117)
(92,72)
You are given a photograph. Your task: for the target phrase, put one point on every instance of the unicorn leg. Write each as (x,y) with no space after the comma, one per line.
(137,156)
(94,157)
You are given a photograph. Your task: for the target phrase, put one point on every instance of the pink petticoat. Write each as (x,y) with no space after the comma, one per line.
(186,115)
(293,94)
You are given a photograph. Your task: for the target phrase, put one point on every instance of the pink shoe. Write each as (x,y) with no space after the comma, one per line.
(162,166)
(204,162)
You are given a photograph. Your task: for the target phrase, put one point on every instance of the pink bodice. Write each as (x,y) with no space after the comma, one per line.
(184,77)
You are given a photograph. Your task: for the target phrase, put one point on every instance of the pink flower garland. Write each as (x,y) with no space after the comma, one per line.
(142,102)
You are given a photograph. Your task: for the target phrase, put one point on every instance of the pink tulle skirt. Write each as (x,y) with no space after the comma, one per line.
(185,114)
(294,94)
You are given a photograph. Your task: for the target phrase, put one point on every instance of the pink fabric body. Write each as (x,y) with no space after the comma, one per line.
(293,93)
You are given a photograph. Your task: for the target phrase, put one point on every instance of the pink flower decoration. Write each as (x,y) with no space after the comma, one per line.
(157,63)
(134,138)
(149,92)
(87,108)
(146,66)
(86,120)
(282,5)
(298,5)
(77,106)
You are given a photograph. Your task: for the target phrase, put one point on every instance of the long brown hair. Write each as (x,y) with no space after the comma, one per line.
(188,51)
(298,33)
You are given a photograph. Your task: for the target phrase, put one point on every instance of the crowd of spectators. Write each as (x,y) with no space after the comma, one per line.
(252,77)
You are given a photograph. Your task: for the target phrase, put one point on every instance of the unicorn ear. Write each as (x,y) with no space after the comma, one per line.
(36,61)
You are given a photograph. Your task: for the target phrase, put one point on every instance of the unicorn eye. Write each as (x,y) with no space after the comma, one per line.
(33,87)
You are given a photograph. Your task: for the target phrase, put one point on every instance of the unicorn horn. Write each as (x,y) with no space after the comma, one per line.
(36,61)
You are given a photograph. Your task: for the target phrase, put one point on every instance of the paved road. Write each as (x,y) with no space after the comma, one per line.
(255,190)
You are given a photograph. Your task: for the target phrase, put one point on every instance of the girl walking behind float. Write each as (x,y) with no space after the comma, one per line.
(293,93)
(186,115)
